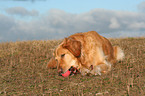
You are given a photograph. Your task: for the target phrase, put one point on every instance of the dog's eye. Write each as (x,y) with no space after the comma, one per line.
(62,55)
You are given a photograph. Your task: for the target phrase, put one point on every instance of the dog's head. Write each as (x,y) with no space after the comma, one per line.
(67,54)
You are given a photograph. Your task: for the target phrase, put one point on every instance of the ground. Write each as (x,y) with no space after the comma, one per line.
(23,71)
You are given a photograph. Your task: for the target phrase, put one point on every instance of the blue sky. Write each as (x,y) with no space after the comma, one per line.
(72,6)
(56,19)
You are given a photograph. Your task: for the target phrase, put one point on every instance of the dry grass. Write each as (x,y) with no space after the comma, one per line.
(23,72)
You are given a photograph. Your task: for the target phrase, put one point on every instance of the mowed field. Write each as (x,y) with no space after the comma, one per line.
(23,72)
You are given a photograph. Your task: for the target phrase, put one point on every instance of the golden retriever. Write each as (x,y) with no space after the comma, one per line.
(88,52)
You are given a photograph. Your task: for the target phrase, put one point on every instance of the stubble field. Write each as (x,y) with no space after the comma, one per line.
(23,72)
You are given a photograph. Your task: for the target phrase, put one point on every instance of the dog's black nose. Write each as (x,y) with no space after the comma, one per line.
(59,74)
(60,71)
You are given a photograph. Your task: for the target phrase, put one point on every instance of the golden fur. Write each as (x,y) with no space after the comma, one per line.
(89,52)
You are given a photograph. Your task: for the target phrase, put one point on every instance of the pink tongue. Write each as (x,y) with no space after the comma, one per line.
(67,73)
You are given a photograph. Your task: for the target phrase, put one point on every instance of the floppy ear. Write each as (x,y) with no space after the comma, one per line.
(73,46)
(52,63)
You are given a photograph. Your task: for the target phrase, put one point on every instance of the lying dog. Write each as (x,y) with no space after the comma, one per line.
(88,53)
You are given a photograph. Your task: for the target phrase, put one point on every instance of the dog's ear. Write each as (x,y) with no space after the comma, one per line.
(52,63)
(73,46)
